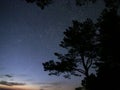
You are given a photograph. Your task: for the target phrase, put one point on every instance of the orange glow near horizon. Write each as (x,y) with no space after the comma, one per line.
(23,87)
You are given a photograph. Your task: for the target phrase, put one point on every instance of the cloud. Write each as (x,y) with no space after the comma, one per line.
(51,83)
(45,85)
(9,76)
(6,75)
(10,83)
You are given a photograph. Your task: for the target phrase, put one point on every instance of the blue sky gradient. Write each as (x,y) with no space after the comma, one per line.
(29,36)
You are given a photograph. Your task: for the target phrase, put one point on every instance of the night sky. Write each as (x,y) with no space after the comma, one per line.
(29,36)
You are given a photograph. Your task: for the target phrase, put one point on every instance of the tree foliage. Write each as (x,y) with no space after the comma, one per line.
(108,64)
(43,3)
(108,72)
(80,42)
(40,3)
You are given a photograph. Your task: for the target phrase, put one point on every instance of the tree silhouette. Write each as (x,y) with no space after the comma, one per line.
(90,44)
(81,43)
(40,3)
(109,65)
(90,82)
(43,3)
